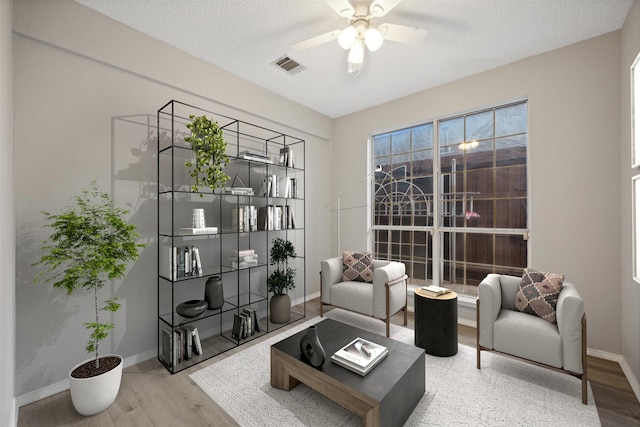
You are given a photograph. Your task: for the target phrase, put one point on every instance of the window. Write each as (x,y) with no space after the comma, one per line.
(474,220)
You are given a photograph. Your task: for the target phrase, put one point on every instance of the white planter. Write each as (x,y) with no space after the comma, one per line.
(93,395)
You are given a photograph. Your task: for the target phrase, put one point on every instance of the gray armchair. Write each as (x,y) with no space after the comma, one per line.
(381,299)
(502,328)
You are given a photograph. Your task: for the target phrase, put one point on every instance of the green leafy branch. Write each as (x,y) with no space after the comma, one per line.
(210,158)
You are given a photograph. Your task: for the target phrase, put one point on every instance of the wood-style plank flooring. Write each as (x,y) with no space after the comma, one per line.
(150,396)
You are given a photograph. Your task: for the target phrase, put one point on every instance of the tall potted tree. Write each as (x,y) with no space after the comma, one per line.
(90,244)
(281,280)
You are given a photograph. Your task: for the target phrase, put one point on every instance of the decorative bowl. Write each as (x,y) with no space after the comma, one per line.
(192,308)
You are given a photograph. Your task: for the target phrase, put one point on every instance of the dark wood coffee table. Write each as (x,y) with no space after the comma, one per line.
(386,396)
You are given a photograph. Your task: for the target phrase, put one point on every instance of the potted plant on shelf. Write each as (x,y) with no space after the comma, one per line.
(90,244)
(281,280)
(210,157)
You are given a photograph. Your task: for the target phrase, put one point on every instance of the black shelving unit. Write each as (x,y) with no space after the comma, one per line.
(244,285)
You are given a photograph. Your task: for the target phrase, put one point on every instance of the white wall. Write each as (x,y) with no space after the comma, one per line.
(630,292)
(86,94)
(8,416)
(574,113)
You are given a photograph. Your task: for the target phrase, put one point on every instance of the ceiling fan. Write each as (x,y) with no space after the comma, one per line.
(360,34)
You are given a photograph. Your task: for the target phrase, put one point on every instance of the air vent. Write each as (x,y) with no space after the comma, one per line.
(288,65)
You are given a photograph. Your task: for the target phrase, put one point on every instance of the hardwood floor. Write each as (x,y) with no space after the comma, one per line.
(150,396)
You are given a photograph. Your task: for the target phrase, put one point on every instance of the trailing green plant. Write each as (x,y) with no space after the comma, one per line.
(91,243)
(282,278)
(210,158)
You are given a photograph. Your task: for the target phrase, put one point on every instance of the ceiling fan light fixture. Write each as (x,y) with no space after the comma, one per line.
(354,68)
(356,53)
(347,37)
(373,39)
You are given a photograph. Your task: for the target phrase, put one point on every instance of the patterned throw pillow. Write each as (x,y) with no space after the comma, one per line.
(538,294)
(357,267)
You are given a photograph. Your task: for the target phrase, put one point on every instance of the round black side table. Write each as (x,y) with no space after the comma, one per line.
(436,323)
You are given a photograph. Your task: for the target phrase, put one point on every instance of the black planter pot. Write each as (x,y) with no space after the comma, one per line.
(214,292)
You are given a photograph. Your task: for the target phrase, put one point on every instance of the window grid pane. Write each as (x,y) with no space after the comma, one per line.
(482,185)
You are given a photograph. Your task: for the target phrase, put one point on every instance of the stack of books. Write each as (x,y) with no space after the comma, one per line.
(255,156)
(243,259)
(360,356)
(434,291)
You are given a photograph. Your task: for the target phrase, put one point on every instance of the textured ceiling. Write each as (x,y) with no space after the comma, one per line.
(465,37)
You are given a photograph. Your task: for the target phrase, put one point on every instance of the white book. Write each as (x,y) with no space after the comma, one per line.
(198,262)
(197,344)
(201,230)
(243,252)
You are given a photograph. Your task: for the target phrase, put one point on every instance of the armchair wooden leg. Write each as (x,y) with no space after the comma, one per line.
(388,325)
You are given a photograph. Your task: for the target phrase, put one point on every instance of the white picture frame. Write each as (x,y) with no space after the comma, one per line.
(635,113)
(635,219)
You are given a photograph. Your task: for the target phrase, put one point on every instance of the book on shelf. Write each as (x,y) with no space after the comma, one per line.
(286,157)
(360,355)
(200,230)
(197,344)
(244,218)
(238,328)
(181,262)
(167,345)
(235,191)
(243,252)
(275,217)
(187,342)
(255,156)
(243,259)
(253,315)
(433,290)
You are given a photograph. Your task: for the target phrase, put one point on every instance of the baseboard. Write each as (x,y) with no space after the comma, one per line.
(63,385)
(604,355)
(633,381)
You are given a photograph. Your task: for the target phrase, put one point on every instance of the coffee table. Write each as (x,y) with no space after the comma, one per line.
(386,396)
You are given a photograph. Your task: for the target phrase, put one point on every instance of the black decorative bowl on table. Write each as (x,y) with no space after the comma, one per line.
(192,308)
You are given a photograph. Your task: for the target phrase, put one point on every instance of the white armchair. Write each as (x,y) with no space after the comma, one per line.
(381,299)
(502,328)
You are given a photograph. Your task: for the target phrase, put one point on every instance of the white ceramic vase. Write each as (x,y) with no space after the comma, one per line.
(93,395)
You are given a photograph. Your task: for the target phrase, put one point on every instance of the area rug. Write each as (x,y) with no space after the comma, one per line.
(505,392)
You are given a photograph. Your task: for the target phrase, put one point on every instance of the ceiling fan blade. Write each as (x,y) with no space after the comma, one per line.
(342,7)
(402,34)
(381,7)
(317,40)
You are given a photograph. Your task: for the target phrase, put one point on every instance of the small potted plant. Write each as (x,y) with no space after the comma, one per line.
(281,280)
(210,157)
(91,243)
